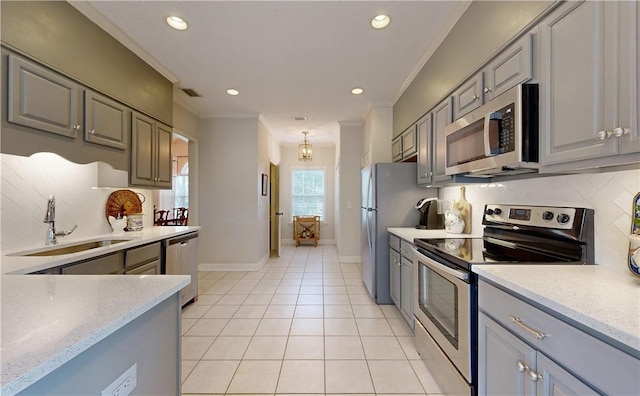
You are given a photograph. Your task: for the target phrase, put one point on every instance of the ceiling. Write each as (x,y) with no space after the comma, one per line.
(287,58)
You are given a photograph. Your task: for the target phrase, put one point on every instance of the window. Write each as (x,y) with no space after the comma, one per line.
(307,192)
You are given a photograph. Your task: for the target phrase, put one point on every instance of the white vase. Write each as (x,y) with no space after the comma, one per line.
(453,222)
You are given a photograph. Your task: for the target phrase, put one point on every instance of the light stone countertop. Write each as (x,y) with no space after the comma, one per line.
(604,300)
(409,234)
(48,320)
(24,265)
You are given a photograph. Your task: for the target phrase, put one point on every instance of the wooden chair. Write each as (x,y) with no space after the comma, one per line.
(160,217)
(306,228)
(182,216)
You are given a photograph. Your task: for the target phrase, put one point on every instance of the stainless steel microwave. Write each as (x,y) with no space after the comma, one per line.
(498,138)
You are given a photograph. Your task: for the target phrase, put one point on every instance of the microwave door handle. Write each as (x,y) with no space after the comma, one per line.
(487,137)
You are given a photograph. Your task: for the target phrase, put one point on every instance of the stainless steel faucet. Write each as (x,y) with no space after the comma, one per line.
(50,217)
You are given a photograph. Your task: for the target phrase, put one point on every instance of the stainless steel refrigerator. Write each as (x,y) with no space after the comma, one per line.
(389,195)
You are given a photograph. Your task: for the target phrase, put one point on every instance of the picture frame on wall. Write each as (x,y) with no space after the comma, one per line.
(265,184)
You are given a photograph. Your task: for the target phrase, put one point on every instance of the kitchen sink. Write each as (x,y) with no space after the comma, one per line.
(57,250)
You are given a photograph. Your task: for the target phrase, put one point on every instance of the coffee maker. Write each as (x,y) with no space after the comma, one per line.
(429,217)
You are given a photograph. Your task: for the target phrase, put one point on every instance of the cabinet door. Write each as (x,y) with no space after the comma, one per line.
(396,149)
(142,153)
(105,121)
(105,265)
(41,99)
(468,97)
(425,150)
(409,142)
(406,289)
(575,96)
(164,136)
(512,67)
(394,276)
(553,380)
(629,78)
(502,361)
(442,116)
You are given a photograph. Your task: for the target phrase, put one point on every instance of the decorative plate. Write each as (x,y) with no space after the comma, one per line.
(123,202)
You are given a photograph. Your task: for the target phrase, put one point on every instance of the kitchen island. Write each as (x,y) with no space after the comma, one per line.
(76,334)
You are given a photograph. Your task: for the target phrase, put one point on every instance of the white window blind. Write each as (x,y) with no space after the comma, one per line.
(307,192)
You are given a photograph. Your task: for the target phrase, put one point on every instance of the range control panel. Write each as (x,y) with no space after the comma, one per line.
(534,216)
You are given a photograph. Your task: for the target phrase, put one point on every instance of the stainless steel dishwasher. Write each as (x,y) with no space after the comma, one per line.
(181,258)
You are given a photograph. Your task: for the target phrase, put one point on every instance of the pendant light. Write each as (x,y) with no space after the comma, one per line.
(304,149)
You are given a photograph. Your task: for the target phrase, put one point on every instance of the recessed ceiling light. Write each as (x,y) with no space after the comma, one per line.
(177,23)
(380,22)
(233,92)
(357,91)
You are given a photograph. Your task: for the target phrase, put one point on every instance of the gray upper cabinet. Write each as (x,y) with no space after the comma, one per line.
(150,152)
(425,150)
(468,96)
(405,146)
(512,67)
(106,122)
(41,99)
(442,116)
(588,95)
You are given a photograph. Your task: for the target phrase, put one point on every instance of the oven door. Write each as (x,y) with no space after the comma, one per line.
(442,300)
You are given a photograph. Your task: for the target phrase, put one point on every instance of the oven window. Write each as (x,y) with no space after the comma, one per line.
(438,299)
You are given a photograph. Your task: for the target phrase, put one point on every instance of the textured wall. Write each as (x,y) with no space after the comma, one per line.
(26,185)
(609,194)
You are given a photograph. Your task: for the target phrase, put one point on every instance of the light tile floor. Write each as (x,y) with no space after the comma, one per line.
(303,324)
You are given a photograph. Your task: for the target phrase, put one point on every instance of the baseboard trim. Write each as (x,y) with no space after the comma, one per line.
(320,242)
(234,266)
(349,259)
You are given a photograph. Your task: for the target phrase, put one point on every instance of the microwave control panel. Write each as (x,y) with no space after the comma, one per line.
(502,130)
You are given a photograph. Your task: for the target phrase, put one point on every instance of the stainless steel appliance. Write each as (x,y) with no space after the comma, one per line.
(498,138)
(445,287)
(389,196)
(429,216)
(181,258)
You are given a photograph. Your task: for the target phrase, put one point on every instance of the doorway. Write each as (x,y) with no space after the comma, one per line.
(275,216)
(178,196)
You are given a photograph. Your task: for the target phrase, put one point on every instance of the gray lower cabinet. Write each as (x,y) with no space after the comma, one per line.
(106,122)
(144,259)
(590,112)
(105,265)
(150,152)
(523,350)
(401,276)
(42,99)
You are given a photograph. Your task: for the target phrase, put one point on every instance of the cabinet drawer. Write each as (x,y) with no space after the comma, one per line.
(105,265)
(606,367)
(394,242)
(143,254)
(152,268)
(405,250)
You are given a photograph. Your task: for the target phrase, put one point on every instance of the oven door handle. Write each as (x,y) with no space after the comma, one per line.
(464,276)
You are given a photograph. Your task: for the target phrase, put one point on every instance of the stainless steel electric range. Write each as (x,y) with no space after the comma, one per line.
(445,287)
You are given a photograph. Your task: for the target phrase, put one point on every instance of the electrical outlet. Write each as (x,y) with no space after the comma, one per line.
(124,384)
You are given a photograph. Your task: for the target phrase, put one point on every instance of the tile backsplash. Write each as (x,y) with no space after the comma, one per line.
(27,183)
(610,194)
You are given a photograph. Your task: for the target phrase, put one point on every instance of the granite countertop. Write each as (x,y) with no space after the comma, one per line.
(604,300)
(410,233)
(48,320)
(24,265)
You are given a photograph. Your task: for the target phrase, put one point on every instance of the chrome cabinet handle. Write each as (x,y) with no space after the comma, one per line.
(487,90)
(475,97)
(619,131)
(77,127)
(522,367)
(93,131)
(602,135)
(538,334)
(534,377)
